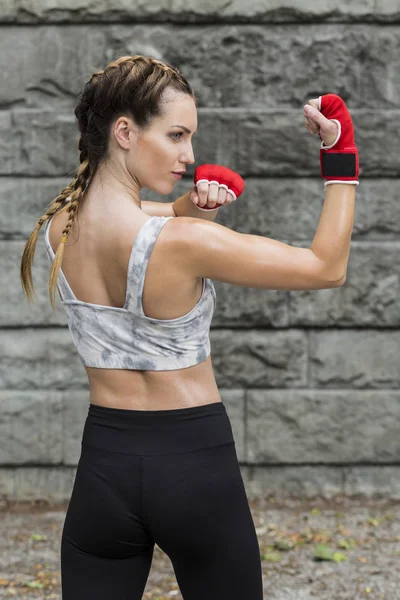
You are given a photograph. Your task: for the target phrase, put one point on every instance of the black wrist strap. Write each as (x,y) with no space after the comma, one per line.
(338,164)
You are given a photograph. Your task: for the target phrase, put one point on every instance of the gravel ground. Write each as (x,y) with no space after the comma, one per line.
(359,539)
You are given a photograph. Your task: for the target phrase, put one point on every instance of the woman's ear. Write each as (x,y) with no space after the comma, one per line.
(124,132)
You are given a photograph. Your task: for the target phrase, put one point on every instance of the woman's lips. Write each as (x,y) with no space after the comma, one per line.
(177,175)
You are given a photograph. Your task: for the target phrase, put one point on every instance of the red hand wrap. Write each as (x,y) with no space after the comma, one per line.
(339,162)
(224,177)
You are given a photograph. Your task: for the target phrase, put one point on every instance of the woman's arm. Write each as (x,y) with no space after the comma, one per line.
(332,240)
(157,209)
(182,207)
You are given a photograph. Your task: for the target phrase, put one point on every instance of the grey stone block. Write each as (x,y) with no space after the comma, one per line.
(251,142)
(321,481)
(54,11)
(15,309)
(30,427)
(283,209)
(355,359)
(259,358)
(370,296)
(261,11)
(39,359)
(292,481)
(53,484)
(25,200)
(249,307)
(372,480)
(252,67)
(277,11)
(7,483)
(313,426)
(38,143)
(289,209)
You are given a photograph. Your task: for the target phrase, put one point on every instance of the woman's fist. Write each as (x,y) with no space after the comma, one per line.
(210,195)
(216,185)
(316,123)
(329,116)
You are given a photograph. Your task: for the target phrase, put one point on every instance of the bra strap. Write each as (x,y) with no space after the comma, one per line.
(141,250)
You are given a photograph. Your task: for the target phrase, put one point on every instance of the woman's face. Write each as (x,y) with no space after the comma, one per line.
(166,147)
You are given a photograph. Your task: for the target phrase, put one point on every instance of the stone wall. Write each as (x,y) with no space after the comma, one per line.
(310,379)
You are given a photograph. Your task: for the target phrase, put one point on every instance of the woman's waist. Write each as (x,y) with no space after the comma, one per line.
(153,390)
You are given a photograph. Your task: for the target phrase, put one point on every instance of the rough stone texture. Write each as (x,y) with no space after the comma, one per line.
(370,296)
(259,358)
(254,143)
(260,11)
(316,426)
(354,360)
(25,199)
(253,68)
(30,427)
(298,480)
(36,483)
(324,481)
(368,481)
(41,359)
(289,209)
(16,310)
(299,371)
(45,358)
(284,209)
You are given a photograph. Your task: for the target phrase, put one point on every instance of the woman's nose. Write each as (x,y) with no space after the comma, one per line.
(189,157)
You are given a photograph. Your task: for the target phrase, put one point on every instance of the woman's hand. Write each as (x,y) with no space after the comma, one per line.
(215,185)
(316,123)
(210,195)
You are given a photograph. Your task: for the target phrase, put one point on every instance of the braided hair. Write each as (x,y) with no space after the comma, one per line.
(129,85)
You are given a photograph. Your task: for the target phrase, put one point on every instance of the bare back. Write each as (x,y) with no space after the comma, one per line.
(95,263)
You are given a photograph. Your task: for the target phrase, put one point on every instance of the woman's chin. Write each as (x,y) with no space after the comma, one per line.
(162,189)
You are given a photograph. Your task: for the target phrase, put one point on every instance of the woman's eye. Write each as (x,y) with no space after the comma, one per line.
(173,134)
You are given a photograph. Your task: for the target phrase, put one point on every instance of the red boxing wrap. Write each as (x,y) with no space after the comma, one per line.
(339,161)
(224,177)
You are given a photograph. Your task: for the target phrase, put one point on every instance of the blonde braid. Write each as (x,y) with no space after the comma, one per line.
(69,197)
(80,186)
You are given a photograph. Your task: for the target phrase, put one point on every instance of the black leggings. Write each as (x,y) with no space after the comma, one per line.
(165,477)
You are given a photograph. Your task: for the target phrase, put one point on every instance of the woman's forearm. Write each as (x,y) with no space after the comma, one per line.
(184,207)
(331,243)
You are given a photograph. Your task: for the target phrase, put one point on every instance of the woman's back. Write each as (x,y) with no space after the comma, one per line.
(95,264)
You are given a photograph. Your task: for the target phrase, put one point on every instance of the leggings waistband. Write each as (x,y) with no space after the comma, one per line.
(149,432)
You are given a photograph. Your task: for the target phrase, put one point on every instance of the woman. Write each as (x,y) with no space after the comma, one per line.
(158,461)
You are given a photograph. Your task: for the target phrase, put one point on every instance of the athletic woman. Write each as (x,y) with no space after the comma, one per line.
(158,462)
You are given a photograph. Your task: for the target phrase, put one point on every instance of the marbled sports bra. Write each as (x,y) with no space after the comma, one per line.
(108,337)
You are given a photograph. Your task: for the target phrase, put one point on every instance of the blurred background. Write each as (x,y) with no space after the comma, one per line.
(310,379)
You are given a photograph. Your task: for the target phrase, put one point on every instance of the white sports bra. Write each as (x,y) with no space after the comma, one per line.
(108,337)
